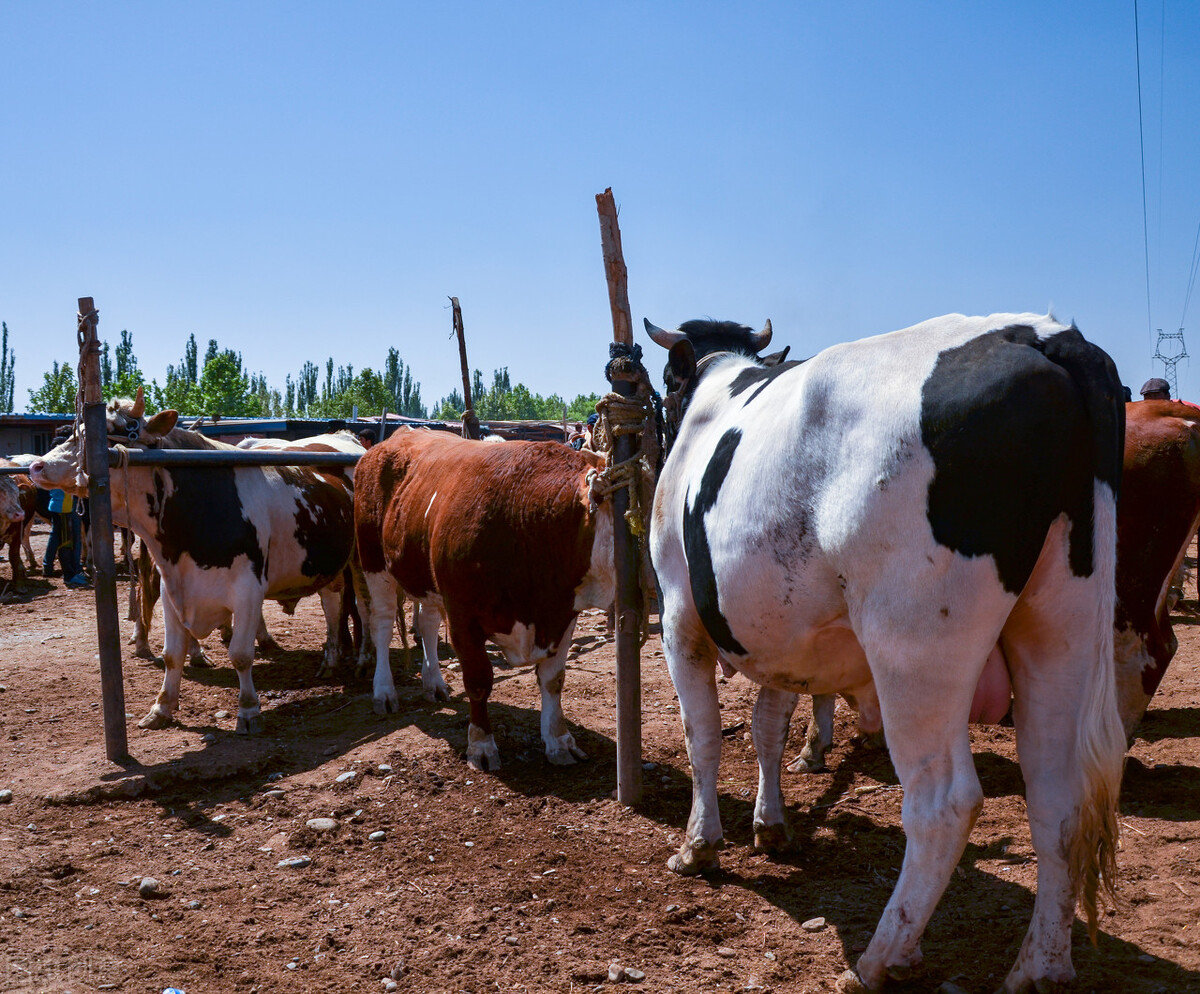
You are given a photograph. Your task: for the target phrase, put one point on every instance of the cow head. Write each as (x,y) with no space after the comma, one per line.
(126,424)
(690,350)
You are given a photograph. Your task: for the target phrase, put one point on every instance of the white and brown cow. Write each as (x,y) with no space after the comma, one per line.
(500,539)
(223,538)
(12,520)
(881,520)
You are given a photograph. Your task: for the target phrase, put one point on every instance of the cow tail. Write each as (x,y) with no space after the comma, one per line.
(1100,736)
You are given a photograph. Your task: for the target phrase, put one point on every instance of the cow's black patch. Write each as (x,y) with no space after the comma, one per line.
(758,377)
(203,517)
(324,522)
(695,544)
(1019,427)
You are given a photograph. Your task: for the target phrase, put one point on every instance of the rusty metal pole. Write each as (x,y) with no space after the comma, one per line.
(108,631)
(470,422)
(625,549)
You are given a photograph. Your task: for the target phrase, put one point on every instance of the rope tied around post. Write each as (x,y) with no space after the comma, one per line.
(637,415)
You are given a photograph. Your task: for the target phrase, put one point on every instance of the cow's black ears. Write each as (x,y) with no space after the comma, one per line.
(162,422)
(682,360)
(775,358)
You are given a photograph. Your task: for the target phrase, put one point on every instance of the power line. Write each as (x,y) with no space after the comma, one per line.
(1137,44)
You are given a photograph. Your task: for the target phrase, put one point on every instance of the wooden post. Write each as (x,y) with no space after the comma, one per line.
(100,512)
(625,550)
(470,422)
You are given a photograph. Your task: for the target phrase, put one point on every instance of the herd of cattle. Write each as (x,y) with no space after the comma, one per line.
(948,523)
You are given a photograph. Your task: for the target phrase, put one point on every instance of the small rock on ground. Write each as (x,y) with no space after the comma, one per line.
(6,796)
(814,925)
(148,887)
(322,824)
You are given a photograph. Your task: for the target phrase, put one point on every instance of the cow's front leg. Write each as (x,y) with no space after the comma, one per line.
(692,664)
(246,621)
(381,609)
(161,714)
(769,729)
(551,672)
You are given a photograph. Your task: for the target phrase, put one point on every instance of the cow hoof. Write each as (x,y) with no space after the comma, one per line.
(249,725)
(200,662)
(144,652)
(155,719)
(694,859)
(484,762)
(438,692)
(848,983)
(564,751)
(324,672)
(388,704)
(806,764)
(267,647)
(772,838)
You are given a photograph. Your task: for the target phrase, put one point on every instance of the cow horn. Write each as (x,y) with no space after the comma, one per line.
(763,338)
(139,404)
(661,336)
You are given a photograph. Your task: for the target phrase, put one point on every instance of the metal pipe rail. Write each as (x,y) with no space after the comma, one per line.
(218,457)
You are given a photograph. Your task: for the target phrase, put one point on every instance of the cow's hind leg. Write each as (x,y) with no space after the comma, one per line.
(1071,747)
(819,737)
(468,641)
(246,622)
(381,614)
(769,729)
(331,605)
(174,650)
(551,672)
(429,626)
(925,704)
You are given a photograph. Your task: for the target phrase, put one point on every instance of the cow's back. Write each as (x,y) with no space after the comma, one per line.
(503,527)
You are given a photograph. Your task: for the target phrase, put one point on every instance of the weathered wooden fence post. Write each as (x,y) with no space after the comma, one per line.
(470,422)
(625,550)
(100,512)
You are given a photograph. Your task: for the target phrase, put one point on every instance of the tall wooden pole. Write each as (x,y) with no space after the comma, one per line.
(112,688)
(470,422)
(625,550)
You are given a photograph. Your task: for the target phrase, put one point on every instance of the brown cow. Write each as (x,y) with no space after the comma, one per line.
(502,540)
(1156,519)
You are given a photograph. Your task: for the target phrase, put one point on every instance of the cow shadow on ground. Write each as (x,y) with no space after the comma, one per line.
(31,590)
(1169,723)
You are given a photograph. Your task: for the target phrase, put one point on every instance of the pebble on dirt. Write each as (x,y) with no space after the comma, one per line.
(377,836)
(296,863)
(814,925)
(322,824)
(346,777)
(148,887)
(5,796)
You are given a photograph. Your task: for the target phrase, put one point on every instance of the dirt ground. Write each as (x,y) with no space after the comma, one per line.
(529,879)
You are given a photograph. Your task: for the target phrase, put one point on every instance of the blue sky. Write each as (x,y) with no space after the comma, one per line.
(300,180)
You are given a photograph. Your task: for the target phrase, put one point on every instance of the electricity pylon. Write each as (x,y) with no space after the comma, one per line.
(1170,350)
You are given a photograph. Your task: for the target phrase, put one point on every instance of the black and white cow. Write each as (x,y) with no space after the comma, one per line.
(879,521)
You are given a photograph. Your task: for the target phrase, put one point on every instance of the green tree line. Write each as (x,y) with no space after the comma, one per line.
(220,384)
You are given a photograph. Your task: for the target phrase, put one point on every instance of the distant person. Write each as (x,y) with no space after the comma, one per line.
(66,537)
(1128,394)
(1156,388)
(367,437)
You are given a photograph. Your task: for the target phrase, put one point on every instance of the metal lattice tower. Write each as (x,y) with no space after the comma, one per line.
(1170,350)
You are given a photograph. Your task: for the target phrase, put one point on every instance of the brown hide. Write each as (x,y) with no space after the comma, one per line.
(507,539)
(1156,519)
(14,531)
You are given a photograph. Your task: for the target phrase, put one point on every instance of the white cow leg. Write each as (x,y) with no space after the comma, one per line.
(1051,704)
(927,733)
(769,729)
(331,605)
(241,653)
(381,612)
(174,650)
(429,625)
(818,738)
(692,663)
(551,672)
